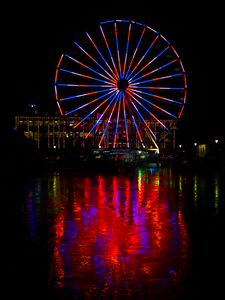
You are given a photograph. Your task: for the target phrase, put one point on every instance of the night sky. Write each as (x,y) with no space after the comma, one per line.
(36,36)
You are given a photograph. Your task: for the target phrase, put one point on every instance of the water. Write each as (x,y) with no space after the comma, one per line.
(149,234)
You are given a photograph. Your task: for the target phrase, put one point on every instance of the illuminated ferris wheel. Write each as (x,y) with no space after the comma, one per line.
(117,80)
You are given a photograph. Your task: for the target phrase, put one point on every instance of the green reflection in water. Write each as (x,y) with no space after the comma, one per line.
(195,190)
(216,192)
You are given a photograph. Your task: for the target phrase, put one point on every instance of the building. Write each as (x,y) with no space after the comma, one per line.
(58,132)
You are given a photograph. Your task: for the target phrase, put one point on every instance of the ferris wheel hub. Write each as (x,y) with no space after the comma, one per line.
(122,84)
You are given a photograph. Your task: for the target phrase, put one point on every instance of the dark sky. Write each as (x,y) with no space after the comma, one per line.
(37,34)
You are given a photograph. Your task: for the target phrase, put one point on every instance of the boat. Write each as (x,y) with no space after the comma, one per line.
(123,157)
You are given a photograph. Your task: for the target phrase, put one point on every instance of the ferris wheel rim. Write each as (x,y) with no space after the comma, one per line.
(113,80)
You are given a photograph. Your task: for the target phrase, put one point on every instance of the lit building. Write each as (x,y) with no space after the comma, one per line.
(57,132)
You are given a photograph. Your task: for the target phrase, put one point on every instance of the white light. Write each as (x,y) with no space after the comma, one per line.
(216,141)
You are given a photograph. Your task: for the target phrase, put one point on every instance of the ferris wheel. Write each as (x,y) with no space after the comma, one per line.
(117,80)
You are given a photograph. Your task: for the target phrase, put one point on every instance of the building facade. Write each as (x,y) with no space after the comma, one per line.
(58,132)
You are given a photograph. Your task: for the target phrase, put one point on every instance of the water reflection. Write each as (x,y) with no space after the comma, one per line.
(119,236)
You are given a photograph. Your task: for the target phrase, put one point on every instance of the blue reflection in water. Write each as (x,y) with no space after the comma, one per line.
(120,236)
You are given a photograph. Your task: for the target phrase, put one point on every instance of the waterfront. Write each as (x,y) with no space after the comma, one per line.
(153,233)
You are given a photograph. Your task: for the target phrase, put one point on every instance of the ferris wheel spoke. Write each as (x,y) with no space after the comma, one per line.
(143,119)
(145,54)
(84,76)
(89,68)
(94,60)
(153,71)
(138,131)
(89,103)
(134,54)
(85,85)
(146,109)
(150,62)
(127,49)
(125,122)
(109,51)
(154,96)
(94,110)
(83,95)
(108,122)
(158,108)
(118,51)
(99,52)
(102,114)
(117,123)
(160,88)
(157,79)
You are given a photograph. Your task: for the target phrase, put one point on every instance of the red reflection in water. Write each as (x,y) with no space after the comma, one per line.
(58,267)
(118,235)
